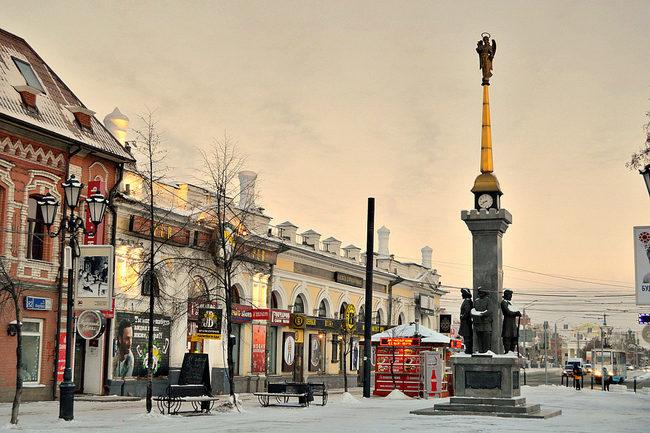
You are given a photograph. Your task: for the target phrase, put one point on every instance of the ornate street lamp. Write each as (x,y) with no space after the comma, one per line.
(71,224)
(646,176)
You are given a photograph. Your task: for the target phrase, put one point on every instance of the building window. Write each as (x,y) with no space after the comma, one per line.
(299,305)
(322,309)
(273,344)
(344,307)
(379,322)
(235,295)
(28,74)
(32,349)
(35,230)
(335,348)
(362,314)
(145,285)
(274,300)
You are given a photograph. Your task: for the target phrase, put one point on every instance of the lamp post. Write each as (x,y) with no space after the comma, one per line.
(71,224)
(646,176)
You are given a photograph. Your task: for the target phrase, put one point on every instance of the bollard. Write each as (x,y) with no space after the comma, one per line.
(524,376)
(635,384)
(592,381)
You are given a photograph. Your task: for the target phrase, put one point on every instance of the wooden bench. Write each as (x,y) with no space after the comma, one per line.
(283,392)
(200,398)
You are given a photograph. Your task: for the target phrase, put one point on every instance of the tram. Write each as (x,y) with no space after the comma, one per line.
(611,359)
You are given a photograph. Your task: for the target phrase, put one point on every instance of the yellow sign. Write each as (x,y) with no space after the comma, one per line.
(206,336)
(299,336)
(350,316)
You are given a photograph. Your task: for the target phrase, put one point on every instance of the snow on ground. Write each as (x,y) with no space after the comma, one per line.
(582,411)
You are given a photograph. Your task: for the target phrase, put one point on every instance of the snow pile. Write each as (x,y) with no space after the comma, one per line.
(348,398)
(396,394)
(644,376)
(618,388)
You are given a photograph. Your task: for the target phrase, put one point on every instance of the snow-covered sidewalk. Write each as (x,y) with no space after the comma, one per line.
(582,411)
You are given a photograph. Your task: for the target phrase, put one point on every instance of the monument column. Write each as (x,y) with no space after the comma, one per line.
(488,221)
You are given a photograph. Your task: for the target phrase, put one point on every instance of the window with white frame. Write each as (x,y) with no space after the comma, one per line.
(32,349)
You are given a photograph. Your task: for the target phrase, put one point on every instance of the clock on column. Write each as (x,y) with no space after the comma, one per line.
(486,200)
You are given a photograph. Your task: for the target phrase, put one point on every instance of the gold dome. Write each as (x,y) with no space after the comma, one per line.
(486,182)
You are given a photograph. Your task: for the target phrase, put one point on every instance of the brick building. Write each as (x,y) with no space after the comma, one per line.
(46,134)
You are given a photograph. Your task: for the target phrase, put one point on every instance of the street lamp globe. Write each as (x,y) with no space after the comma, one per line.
(72,189)
(646,176)
(96,207)
(48,205)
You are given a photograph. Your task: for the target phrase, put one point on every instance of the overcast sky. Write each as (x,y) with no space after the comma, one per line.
(338,101)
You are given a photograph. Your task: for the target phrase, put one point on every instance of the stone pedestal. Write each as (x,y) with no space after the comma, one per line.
(488,227)
(487,385)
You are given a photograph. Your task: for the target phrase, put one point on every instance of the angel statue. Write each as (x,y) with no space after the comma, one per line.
(486,53)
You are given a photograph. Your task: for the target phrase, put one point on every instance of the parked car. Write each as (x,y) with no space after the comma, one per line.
(588,369)
(629,366)
(567,370)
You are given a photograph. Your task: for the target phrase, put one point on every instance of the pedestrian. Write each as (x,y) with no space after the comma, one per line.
(577,375)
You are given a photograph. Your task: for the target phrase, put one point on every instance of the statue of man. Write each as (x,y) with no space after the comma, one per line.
(486,55)
(510,331)
(465,329)
(482,320)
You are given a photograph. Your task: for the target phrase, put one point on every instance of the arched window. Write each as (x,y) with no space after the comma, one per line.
(299,305)
(235,295)
(400,319)
(35,230)
(322,309)
(344,306)
(274,299)
(379,322)
(362,314)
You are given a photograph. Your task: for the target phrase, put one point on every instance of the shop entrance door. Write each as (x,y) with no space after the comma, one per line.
(79,364)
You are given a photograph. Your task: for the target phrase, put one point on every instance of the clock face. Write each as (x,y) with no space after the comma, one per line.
(485,201)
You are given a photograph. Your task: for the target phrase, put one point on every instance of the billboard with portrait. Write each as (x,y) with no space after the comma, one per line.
(94,278)
(130,344)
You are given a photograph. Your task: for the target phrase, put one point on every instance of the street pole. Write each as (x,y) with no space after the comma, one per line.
(67,387)
(545,354)
(370,259)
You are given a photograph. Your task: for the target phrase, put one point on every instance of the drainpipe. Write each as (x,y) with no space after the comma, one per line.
(390,298)
(60,285)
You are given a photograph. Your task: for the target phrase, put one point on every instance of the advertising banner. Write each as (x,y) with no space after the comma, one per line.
(314,352)
(98,231)
(432,372)
(209,325)
(642,264)
(354,354)
(94,271)
(130,345)
(259,344)
(288,351)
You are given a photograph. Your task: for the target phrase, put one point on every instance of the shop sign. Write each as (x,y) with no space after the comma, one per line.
(360,327)
(241,313)
(385,341)
(427,305)
(280,317)
(96,230)
(261,314)
(260,255)
(322,323)
(62,348)
(298,321)
(348,279)
(193,307)
(350,317)
(456,344)
(36,303)
(209,323)
(91,324)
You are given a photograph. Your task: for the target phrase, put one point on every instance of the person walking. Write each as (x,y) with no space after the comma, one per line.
(577,375)
(605,378)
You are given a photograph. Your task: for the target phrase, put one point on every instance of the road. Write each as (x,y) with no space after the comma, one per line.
(537,377)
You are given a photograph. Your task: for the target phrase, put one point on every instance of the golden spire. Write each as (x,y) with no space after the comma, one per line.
(486,134)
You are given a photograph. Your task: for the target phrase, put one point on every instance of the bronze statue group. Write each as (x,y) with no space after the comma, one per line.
(476,316)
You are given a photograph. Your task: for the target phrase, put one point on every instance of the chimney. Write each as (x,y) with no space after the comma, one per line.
(117,123)
(287,231)
(353,253)
(383,233)
(332,245)
(247,189)
(427,253)
(310,238)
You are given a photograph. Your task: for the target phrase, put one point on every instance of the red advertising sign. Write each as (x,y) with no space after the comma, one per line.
(259,345)
(98,237)
(241,313)
(61,366)
(261,314)
(456,344)
(399,341)
(280,317)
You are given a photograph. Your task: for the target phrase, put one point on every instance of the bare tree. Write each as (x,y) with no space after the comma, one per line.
(11,290)
(639,159)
